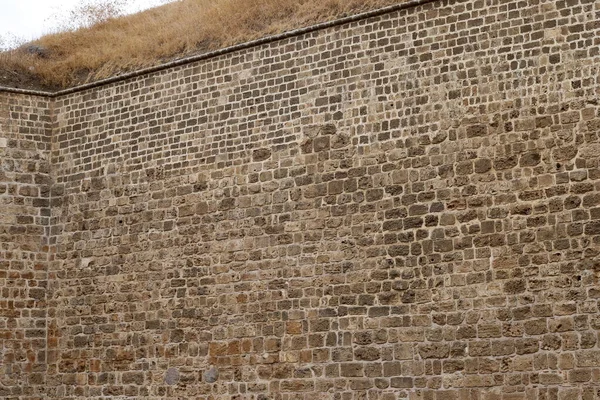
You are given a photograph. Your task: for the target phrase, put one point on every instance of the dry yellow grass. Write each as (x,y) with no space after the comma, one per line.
(155,36)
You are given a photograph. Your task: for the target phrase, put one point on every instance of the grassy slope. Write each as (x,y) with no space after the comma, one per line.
(155,36)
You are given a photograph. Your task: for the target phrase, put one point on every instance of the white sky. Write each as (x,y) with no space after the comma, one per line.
(30,19)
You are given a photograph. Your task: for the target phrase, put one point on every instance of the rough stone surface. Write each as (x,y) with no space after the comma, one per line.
(211,376)
(172,376)
(404,207)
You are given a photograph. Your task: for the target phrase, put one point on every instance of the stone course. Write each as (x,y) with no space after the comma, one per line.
(402,207)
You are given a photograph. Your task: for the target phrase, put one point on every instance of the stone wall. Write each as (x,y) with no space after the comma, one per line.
(405,206)
(24,222)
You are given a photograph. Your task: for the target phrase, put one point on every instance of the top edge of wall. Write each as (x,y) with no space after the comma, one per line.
(225,50)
